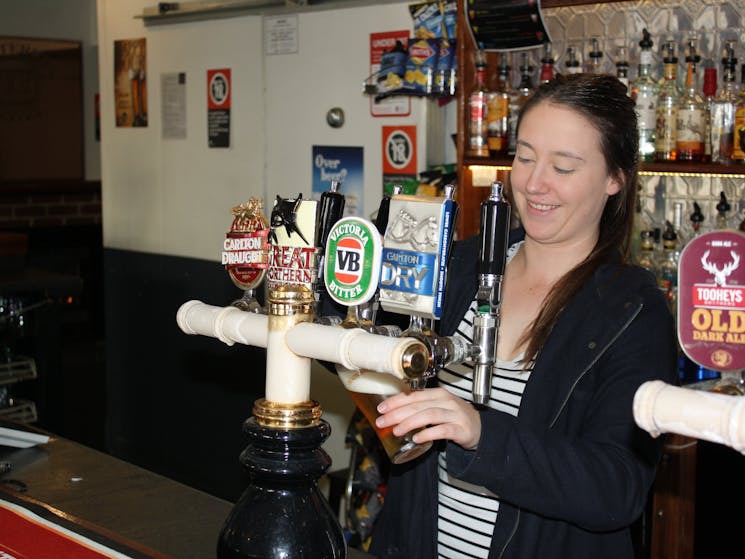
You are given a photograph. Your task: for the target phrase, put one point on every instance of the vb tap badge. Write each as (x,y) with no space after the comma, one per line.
(352,261)
(245,252)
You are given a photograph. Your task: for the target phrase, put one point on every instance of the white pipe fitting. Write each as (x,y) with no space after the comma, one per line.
(664,408)
(351,348)
(227,324)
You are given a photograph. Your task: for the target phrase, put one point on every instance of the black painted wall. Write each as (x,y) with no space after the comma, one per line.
(175,403)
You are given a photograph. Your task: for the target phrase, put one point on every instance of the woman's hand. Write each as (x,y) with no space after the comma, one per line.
(444,416)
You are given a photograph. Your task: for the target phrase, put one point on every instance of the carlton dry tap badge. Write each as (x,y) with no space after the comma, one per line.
(294,259)
(352,261)
(415,253)
(245,252)
(711,300)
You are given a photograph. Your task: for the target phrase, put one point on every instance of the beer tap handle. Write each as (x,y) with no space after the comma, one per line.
(330,209)
(384,210)
(367,311)
(495,222)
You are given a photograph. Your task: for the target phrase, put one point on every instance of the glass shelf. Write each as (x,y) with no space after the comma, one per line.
(677,168)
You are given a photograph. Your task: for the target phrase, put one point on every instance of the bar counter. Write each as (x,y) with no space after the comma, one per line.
(138,505)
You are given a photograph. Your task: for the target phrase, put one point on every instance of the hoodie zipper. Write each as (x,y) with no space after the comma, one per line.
(595,360)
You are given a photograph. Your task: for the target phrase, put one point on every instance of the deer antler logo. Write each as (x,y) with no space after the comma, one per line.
(720,276)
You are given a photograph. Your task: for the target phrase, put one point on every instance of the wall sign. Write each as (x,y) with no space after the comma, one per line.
(399,155)
(218,108)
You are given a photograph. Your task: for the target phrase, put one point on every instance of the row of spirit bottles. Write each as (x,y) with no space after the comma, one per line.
(691,123)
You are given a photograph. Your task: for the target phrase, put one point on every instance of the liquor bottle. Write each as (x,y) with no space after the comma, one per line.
(572,62)
(519,96)
(547,63)
(595,57)
(709,91)
(644,92)
(723,109)
(638,225)
(646,257)
(622,66)
(697,219)
(738,146)
(498,110)
(682,232)
(667,108)
(667,272)
(478,142)
(723,207)
(690,125)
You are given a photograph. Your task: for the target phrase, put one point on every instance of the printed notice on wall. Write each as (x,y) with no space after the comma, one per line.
(343,164)
(130,82)
(218,108)
(280,35)
(173,105)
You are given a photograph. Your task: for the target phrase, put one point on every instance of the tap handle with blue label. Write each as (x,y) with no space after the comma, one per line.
(494,232)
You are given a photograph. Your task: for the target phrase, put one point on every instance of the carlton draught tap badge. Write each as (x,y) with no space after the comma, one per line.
(711,300)
(245,252)
(352,261)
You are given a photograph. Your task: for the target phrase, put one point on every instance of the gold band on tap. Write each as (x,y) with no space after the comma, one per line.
(289,300)
(287,416)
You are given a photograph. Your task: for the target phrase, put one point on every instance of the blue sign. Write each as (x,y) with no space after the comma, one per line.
(343,164)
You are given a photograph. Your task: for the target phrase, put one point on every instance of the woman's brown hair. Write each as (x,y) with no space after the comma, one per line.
(601,99)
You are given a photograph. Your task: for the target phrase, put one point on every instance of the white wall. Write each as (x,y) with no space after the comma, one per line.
(73,20)
(174,196)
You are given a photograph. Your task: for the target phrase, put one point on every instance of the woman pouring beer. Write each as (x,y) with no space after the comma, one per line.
(553,465)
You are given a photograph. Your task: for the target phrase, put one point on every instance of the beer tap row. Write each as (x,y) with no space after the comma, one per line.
(311,259)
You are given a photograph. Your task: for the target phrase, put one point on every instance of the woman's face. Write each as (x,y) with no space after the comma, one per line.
(559,178)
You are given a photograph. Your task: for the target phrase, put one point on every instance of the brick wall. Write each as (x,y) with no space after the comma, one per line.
(53,204)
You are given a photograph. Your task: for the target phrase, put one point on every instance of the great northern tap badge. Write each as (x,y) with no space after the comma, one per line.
(245,252)
(352,261)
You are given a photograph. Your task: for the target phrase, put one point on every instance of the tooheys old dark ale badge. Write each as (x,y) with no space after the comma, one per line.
(245,252)
(711,300)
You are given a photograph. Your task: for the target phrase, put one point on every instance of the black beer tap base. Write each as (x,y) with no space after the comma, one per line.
(282,513)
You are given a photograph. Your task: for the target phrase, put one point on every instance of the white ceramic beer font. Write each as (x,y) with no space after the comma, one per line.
(494,232)
(290,281)
(288,332)
(416,249)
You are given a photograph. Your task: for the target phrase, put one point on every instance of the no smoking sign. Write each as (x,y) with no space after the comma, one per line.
(218,107)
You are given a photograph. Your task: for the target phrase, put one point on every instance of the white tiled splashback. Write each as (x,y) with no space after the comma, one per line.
(621,23)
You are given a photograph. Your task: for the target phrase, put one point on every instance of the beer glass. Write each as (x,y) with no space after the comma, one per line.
(368,389)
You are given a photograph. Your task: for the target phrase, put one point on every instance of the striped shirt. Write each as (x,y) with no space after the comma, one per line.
(466,513)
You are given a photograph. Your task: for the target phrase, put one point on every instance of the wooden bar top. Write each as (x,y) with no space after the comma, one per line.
(137,504)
